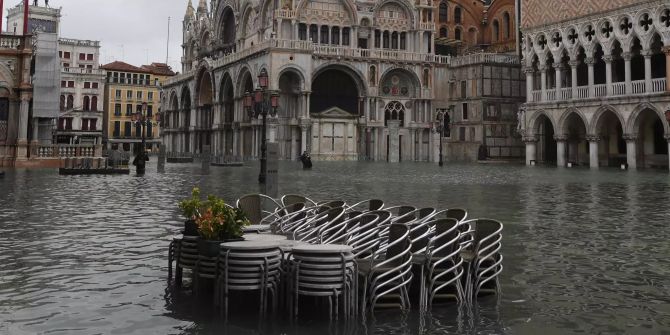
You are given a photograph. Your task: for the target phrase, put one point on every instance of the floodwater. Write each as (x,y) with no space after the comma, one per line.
(585,251)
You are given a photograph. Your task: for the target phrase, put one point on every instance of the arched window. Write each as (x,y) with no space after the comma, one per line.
(394,111)
(457,34)
(394,40)
(335,36)
(70,102)
(403,41)
(495,31)
(94,104)
(324,34)
(457,14)
(507,31)
(443,32)
(345,36)
(314,33)
(426,78)
(62,102)
(444,12)
(386,40)
(87,103)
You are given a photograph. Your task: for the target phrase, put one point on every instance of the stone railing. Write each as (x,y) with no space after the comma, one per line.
(485,58)
(427,26)
(78,70)
(63,150)
(10,41)
(83,43)
(285,13)
(618,89)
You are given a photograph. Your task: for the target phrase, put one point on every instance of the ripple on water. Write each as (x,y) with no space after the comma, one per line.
(585,252)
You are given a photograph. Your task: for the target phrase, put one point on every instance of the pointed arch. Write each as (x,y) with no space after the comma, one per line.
(597,118)
(533,121)
(565,116)
(633,123)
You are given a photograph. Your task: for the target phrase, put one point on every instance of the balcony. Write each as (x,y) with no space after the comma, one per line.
(10,41)
(63,151)
(78,70)
(430,26)
(618,89)
(285,14)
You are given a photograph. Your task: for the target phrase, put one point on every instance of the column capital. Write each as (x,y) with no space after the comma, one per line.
(530,138)
(558,66)
(542,68)
(608,58)
(647,53)
(528,70)
(629,137)
(589,61)
(627,56)
(666,50)
(593,138)
(560,138)
(574,63)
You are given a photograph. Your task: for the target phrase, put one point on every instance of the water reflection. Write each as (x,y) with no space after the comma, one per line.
(584,251)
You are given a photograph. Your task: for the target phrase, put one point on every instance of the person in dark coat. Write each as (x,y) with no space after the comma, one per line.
(306,160)
(140,162)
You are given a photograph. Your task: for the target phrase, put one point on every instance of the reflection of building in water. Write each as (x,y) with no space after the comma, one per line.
(597,82)
(356,80)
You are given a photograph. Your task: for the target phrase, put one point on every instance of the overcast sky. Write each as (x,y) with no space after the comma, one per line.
(134,31)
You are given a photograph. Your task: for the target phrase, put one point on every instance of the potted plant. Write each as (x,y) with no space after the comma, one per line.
(218,223)
(191,210)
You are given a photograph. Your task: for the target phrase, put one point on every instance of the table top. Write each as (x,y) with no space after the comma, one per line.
(264,237)
(250,245)
(322,248)
(256,227)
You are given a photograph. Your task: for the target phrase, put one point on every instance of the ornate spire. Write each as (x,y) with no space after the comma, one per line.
(202,6)
(190,11)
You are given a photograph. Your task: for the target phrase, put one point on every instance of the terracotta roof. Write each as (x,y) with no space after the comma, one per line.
(160,69)
(121,66)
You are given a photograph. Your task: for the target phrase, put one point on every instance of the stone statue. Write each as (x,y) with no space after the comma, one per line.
(521,120)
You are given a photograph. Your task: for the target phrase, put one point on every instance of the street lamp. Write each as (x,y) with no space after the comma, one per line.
(443,120)
(141,119)
(262,103)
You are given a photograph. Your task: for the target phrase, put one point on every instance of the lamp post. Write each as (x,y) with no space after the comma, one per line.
(262,103)
(443,120)
(141,119)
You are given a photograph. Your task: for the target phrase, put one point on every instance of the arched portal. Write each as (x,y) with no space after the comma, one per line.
(334,88)
(288,136)
(652,147)
(204,114)
(612,146)
(576,146)
(227,31)
(228,114)
(186,107)
(546,146)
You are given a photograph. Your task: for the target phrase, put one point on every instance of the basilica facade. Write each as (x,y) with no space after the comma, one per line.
(357,80)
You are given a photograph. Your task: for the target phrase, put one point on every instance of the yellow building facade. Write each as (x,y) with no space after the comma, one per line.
(127,89)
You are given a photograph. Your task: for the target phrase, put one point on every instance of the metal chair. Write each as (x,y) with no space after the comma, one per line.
(290,199)
(257,206)
(387,272)
(482,253)
(249,266)
(187,257)
(311,232)
(444,265)
(367,205)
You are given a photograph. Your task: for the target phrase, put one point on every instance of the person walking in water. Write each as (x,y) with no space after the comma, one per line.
(306,160)
(140,162)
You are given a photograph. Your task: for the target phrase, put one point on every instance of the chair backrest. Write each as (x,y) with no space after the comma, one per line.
(398,240)
(446,231)
(419,234)
(291,199)
(334,203)
(426,212)
(457,213)
(375,205)
(485,229)
(251,206)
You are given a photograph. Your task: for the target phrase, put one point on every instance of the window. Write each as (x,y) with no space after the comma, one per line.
(63,83)
(335,36)
(457,34)
(60,54)
(117,128)
(150,130)
(457,14)
(66,55)
(324,34)
(70,83)
(377,38)
(135,79)
(156,82)
(68,123)
(150,111)
(148,81)
(94,85)
(87,103)
(386,40)
(87,84)
(506,26)
(66,65)
(139,95)
(444,12)
(443,32)
(138,130)
(461,134)
(118,94)
(70,102)
(465,111)
(313,33)
(129,110)
(129,94)
(89,67)
(62,102)
(117,109)
(93,124)
(94,104)
(89,57)
(127,130)
(150,96)
(139,108)
(495,31)
(82,56)
(463,89)
(84,124)
(394,40)
(345,36)
(403,41)
(302,32)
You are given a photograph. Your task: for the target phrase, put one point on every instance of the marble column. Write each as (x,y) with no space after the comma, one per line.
(627,56)
(531,149)
(590,62)
(560,150)
(529,83)
(543,81)
(631,148)
(573,76)
(303,139)
(558,67)
(594,162)
(294,143)
(608,73)
(647,70)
